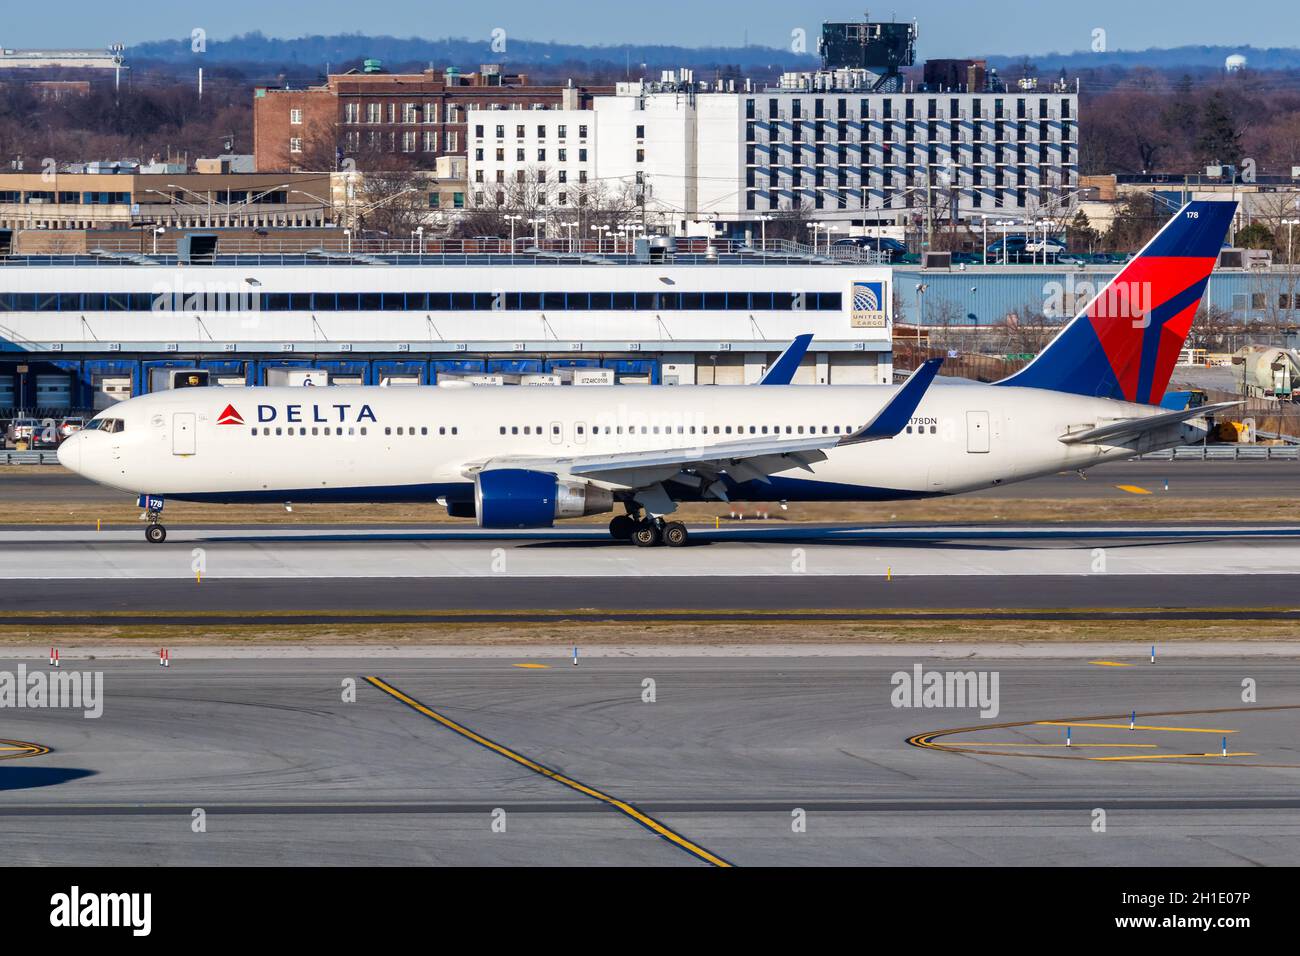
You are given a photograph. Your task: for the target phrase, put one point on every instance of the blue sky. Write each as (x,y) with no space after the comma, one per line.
(947,27)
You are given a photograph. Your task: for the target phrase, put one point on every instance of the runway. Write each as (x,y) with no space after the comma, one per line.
(343,575)
(728,755)
(818,551)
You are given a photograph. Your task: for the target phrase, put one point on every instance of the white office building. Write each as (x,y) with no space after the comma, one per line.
(705,160)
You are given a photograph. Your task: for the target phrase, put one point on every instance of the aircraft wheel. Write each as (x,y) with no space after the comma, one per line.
(155,534)
(622,527)
(675,534)
(646,535)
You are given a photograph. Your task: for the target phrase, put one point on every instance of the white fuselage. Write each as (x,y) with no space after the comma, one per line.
(421,444)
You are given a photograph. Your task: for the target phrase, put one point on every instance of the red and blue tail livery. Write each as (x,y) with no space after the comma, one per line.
(1125,343)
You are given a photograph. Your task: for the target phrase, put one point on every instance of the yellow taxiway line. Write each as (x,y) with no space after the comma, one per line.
(645,820)
(1006,743)
(15,749)
(1182,730)
(1176,756)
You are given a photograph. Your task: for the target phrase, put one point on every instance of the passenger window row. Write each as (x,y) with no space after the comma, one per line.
(355,430)
(684,430)
(315,430)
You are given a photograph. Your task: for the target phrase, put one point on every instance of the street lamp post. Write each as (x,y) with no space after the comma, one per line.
(1290,259)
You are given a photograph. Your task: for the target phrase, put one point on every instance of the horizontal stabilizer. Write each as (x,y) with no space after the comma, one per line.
(1115,433)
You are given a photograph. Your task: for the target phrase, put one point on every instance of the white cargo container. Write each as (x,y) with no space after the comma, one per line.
(593,376)
(297,376)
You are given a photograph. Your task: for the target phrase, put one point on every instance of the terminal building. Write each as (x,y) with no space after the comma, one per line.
(78,332)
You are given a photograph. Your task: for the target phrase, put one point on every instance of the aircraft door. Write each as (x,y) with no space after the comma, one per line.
(183,433)
(977,432)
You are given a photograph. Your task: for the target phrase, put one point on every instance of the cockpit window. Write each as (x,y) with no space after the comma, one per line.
(111,425)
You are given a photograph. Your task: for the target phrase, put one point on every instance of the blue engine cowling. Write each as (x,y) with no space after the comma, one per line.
(519,498)
(514,498)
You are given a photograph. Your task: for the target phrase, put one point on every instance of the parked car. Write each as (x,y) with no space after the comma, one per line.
(883,243)
(70,425)
(22,430)
(1024,248)
(46,434)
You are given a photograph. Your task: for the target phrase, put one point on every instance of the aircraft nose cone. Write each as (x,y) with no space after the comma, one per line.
(70,453)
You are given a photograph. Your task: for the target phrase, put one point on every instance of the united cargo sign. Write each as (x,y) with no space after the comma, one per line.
(868,305)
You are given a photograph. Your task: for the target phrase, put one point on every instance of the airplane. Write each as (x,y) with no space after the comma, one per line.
(524,457)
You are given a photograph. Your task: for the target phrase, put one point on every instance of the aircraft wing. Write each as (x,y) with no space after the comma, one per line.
(702,465)
(743,460)
(1117,432)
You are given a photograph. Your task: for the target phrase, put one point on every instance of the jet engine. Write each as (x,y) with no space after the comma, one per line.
(519,498)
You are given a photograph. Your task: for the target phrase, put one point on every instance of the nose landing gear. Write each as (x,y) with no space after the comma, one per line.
(154,532)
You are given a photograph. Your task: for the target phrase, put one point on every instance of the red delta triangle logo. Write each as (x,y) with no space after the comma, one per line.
(230,417)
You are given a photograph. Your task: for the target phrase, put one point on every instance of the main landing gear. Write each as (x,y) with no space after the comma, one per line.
(648,532)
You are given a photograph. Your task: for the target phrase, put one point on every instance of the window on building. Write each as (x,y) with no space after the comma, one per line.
(295,117)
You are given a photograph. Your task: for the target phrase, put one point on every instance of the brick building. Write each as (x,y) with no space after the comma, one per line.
(418,115)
